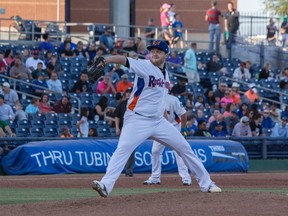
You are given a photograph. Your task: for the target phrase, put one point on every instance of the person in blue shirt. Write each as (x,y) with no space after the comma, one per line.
(267,123)
(39,82)
(46,44)
(218,131)
(178,35)
(280,129)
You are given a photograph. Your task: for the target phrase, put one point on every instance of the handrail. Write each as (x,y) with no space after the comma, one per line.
(15,81)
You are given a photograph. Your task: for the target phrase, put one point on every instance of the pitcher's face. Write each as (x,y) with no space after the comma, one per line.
(158,57)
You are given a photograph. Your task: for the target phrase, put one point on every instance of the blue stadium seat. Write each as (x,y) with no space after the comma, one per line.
(63,122)
(22,132)
(37,116)
(36,132)
(50,132)
(36,123)
(23,124)
(103,132)
(51,116)
(64,116)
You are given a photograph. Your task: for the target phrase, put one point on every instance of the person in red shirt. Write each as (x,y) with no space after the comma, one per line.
(124,84)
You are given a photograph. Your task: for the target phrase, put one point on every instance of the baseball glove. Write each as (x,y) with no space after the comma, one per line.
(96,69)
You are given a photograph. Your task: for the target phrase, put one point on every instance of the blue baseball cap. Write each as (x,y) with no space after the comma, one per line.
(161,45)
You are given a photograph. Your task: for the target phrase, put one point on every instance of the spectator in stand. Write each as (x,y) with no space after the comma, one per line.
(149,31)
(242,72)
(83,124)
(10,96)
(200,115)
(19,71)
(175,61)
(284,32)
(3,64)
(106,40)
(190,64)
(210,98)
(47,57)
(242,129)
(44,104)
(100,108)
(124,84)
(130,46)
(164,19)
(212,17)
(275,113)
(280,129)
(6,111)
(243,110)
(202,130)
(231,121)
(231,21)
(54,83)
(80,52)
(171,14)
(56,63)
(256,127)
(228,110)
(250,68)
(215,66)
(8,57)
(116,73)
(20,114)
(252,112)
(213,117)
(26,53)
(46,44)
(191,125)
(218,131)
(4,128)
(251,95)
(267,123)
(220,92)
(32,62)
(41,83)
(265,72)
(190,101)
(271,32)
(180,88)
(33,106)
(219,119)
(92,132)
(284,74)
(63,106)
(178,34)
(67,40)
(68,52)
(105,86)
(226,99)
(39,70)
(234,94)
(66,132)
(82,85)
(91,49)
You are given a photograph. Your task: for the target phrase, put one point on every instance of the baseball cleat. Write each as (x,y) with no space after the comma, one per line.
(100,188)
(148,182)
(186,183)
(214,188)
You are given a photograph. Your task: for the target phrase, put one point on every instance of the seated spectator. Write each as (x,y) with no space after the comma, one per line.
(256,127)
(6,111)
(68,52)
(10,96)
(220,92)
(41,83)
(284,74)
(20,114)
(210,97)
(275,113)
(180,88)
(105,86)
(267,123)
(63,105)
(130,46)
(214,65)
(280,129)
(219,119)
(124,84)
(202,130)
(19,71)
(33,106)
(3,64)
(191,125)
(83,124)
(49,69)
(32,62)
(200,104)
(226,99)
(67,40)
(44,104)
(241,72)
(231,121)
(92,132)
(54,83)
(228,110)
(101,107)
(80,51)
(213,117)
(82,85)
(8,57)
(234,94)
(175,61)
(265,72)
(26,54)
(116,73)
(4,128)
(242,129)
(56,63)
(200,115)
(190,101)
(91,49)
(66,133)
(243,110)
(218,131)
(46,45)
(38,70)
(251,95)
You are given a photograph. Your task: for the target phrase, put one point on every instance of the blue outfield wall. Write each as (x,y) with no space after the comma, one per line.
(93,155)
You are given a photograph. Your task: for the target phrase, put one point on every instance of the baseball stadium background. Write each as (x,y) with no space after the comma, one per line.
(44,175)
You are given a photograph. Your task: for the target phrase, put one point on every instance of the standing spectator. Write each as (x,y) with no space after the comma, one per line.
(32,62)
(19,71)
(41,83)
(284,32)
(202,130)
(242,129)
(54,83)
(82,85)
(6,111)
(271,32)
(105,86)
(190,64)
(63,105)
(231,21)
(178,34)
(164,19)
(10,96)
(8,57)
(212,17)
(83,124)
(149,31)
(124,84)
(46,44)
(80,51)
(44,104)
(280,129)
(241,72)
(33,106)
(255,125)
(106,40)
(66,132)
(171,14)
(3,64)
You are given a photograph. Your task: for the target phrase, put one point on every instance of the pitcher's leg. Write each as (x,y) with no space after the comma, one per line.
(182,169)
(157,150)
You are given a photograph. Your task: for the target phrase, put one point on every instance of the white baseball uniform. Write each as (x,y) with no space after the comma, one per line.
(144,119)
(174,110)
